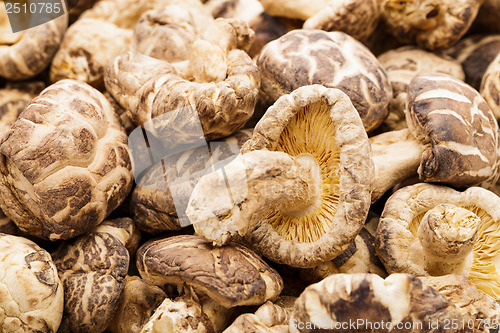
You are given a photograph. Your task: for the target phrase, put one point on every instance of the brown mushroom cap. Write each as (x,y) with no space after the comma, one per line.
(31,293)
(434,230)
(402,65)
(376,305)
(152,201)
(26,54)
(230,275)
(64,164)
(430,24)
(458,128)
(333,59)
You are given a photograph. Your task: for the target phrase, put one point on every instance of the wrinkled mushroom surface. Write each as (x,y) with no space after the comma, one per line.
(269,318)
(31,294)
(333,59)
(64,164)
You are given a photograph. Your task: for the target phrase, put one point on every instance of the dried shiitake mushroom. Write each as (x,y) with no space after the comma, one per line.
(269,318)
(452,138)
(31,294)
(333,59)
(231,275)
(300,190)
(64,164)
(400,303)
(490,85)
(159,201)
(92,269)
(25,54)
(402,65)
(433,230)
(431,24)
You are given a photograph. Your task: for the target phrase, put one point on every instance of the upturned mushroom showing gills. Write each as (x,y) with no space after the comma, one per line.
(430,230)
(452,138)
(300,190)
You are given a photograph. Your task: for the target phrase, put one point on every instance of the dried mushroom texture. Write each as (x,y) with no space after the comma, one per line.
(160,198)
(430,24)
(77,7)
(476,308)
(429,230)
(124,230)
(31,294)
(475,53)
(64,164)
(92,268)
(124,115)
(401,66)
(137,304)
(359,257)
(184,314)
(231,275)
(26,54)
(333,59)
(173,102)
(402,302)
(269,318)
(490,85)
(300,190)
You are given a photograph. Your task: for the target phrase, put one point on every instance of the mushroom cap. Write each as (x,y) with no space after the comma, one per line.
(28,56)
(230,275)
(402,65)
(428,23)
(458,128)
(92,269)
(344,298)
(397,242)
(333,59)
(64,164)
(124,230)
(31,294)
(322,122)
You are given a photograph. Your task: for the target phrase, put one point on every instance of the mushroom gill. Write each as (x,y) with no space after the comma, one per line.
(305,135)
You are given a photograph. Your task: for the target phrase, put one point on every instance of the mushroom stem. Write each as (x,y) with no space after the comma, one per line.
(251,187)
(447,234)
(396,156)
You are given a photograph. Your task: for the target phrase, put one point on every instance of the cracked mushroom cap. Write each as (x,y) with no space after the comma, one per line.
(31,294)
(64,164)
(430,24)
(429,230)
(401,66)
(368,299)
(332,59)
(300,190)
(25,54)
(478,310)
(156,205)
(92,269)
(230,275)
(458,129)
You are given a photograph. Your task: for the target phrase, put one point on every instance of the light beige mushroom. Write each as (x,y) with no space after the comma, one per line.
(399,303)
(92,269)
(430,24)
(332,59)
(402,65)
(300,190)
(440,110)
(64,164)
(26,54)
(161,196)
(269,318)
(429,230)
(31,294)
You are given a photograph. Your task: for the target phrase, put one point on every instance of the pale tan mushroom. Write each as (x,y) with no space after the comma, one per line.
(402,65)
(300,190)
(332,59)
(400,303)
(490,85)
(429,230)
(64,164)
(27,53)
(31,294)
(430,24)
